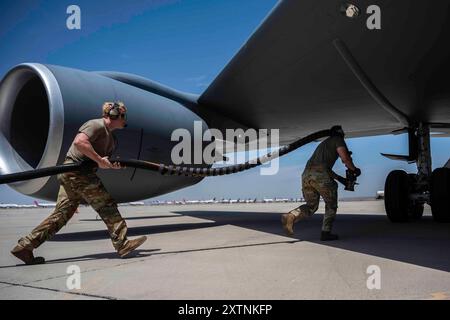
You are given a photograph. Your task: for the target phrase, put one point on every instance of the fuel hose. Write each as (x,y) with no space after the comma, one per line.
(164,169)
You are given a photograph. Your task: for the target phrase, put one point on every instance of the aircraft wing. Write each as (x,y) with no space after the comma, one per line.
(308,66)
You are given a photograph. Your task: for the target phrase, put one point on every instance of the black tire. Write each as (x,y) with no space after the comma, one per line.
(440,194)
(415,211)
(396,192)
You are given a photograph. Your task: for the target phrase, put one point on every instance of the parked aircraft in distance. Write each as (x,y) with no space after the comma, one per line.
(137,203)
(16,206)
(8,205)
(44,205)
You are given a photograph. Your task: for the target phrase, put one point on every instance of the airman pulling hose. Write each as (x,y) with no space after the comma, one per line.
(163,168)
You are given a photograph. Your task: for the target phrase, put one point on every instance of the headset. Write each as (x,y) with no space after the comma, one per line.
(337,131)
(114,110)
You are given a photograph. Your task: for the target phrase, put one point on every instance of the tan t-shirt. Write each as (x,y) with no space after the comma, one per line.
(100,137)
(326,153)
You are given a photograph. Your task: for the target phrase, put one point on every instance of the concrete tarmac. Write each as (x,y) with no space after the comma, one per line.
(231,251)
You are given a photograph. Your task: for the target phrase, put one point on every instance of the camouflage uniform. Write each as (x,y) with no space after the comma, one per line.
(76,186)
(316,182)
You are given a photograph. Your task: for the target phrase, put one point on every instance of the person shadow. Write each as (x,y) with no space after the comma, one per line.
(136,254)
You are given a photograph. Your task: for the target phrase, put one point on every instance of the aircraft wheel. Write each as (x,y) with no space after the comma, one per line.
(415,210)
(396,200)
(440,194)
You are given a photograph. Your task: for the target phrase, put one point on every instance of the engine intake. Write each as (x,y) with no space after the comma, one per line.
(31,111)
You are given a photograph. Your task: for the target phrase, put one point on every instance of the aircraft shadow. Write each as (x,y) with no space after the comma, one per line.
(424,242)
(133,231)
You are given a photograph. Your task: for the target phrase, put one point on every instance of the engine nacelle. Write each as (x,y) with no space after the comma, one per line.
(42,107)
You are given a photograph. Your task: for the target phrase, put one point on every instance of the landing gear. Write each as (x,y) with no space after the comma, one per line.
(399,207)
(396,199)
(440,194)
(405,194)
(415,208)
(416,211)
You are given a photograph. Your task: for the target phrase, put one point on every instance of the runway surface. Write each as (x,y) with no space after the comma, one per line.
(232,251)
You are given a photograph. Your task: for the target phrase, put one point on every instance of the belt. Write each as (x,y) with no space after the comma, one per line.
(70,160)
(317,167)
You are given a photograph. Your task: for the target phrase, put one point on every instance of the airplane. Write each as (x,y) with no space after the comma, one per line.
(137,203)
(44,205)
(16,206)
(281,200)
(8,205)
(308,66)
(27,206)
(192,201)
(213,200)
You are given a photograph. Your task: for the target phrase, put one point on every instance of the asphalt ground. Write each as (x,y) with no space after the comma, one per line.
(231,251)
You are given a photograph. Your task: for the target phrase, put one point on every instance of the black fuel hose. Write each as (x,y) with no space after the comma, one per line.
(207,172)
(163,168)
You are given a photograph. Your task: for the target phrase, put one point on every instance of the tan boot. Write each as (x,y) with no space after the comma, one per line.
(26,255)
(130,245)
(288,220)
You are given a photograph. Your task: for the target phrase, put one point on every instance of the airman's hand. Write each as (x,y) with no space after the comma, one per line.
(104,163)
(116,165)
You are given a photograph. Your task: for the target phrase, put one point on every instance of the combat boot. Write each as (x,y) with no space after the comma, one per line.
(130,245)
(288,220)
(328,236)
(26,255)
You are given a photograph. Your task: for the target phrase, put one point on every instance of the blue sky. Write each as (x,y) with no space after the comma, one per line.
(183,44)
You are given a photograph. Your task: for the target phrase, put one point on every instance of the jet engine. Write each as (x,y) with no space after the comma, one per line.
(42,107)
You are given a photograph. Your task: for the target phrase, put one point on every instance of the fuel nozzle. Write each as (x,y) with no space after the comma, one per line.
(350,180)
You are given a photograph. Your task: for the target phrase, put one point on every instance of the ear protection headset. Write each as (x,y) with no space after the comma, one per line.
(337,131)
(114,110)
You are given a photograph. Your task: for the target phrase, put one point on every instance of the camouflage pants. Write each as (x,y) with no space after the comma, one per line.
(316,183)
(75,187)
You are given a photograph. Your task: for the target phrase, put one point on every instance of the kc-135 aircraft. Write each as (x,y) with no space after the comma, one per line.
(308,66)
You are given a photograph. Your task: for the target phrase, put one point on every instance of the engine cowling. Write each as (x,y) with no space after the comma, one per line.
(42,107)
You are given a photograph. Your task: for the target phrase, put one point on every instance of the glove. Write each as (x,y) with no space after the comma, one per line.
(357,172)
